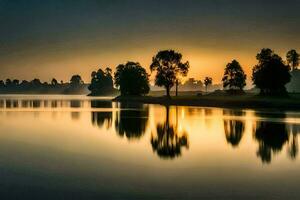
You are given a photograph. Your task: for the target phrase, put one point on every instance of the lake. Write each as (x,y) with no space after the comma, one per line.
(76,147)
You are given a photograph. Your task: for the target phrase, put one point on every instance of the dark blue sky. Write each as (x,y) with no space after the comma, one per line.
(45,38)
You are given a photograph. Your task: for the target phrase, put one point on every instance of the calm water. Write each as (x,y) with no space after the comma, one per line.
(74,147)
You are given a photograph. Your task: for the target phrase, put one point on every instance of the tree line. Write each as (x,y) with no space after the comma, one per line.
(270,75)
(75,85)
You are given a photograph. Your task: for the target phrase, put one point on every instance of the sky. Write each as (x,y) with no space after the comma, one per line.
(50,38)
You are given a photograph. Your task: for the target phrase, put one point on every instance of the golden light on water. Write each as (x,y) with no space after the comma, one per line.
(90,141)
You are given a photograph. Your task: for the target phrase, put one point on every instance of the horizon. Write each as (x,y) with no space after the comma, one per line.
(149,99)
(56,39)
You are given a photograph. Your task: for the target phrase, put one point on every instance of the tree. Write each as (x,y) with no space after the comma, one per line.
(54,82)
(270,75)
(15,82)
(45,84)
(25,84)
(234,77)
(76,81)
(36,82)
(292,58)
(168,66)
(102,82)
(207,81)
(108,72)
(132,79)
(8,82)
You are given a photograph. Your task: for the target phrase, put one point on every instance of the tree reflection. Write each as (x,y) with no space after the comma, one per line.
(75,104)
(131,121)
(293,147)
(54,104)
(36,103)
(8,103)
(101,118)
(234,129)
(271,137)
(75,115)
(166,142)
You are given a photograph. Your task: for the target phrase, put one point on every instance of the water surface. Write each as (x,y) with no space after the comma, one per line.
(76,147)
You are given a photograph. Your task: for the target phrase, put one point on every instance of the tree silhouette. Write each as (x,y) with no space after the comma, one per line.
(36,83)
(8,82)
(166,142)
(168,66)
(132,79)
(54,82)
(207,81)
(25,85)
(234,77)
(102,82)
(292,58)
(45,84)
(108,72)
(270,75)
(15,82)
(76,81)
(36,86)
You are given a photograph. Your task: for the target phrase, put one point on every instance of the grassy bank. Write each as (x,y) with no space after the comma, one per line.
(242,101)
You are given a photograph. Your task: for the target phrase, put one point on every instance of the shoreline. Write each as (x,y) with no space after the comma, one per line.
(245,101)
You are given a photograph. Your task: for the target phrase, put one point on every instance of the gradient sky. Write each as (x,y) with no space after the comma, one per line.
(50,38)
